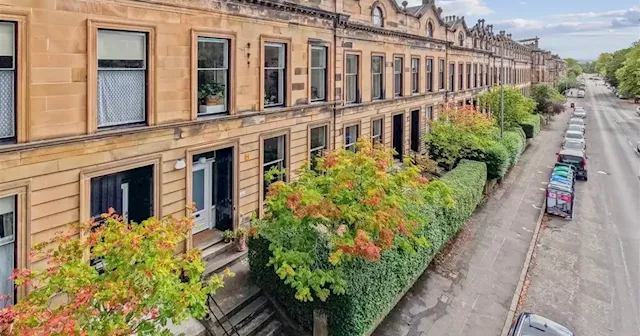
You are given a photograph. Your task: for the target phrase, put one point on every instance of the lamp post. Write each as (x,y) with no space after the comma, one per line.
(502,89)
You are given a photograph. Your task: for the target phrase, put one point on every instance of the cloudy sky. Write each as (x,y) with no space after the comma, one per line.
(581,29)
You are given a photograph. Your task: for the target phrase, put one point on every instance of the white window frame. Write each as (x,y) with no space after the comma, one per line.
(355,76)
(428,65)
(323,67)
(398,86)
(415,75)
(11,114)
(143,68)
(202,111)
(316,152)
(351,145)
(282,72)
(377,138)
(374,74)
(280,162)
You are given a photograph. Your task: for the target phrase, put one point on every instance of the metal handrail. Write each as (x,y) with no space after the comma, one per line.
(233,330)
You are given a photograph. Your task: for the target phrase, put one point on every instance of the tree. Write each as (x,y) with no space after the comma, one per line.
(629,74)
(602,62)
(565,84)
(573,67)
(589,67)
(617,61)
(142,285)
(547,99)
(517,107)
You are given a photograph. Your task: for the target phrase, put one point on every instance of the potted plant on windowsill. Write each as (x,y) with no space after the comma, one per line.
(211,97)
(241,239)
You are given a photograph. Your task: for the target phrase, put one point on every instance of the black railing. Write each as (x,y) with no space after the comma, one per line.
(229,329)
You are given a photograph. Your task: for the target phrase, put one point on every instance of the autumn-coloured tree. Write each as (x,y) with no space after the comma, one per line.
(141,284)
(351,205)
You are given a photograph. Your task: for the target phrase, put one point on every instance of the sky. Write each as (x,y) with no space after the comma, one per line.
(580,29)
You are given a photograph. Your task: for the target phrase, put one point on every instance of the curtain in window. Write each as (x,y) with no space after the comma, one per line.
(6,104)
(121,97)
(7,247)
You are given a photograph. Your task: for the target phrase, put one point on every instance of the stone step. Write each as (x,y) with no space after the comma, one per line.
(253,326)
(215,250)
(274,328)
(222,261)
(238,291)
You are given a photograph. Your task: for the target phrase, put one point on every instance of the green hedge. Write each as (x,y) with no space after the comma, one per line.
(373,287)
(514,143)
(497,160)
(532,126)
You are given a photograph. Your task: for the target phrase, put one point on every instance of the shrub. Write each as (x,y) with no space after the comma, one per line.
(532,126)
(496,157)
(517,107)
(371,288)
(514,144)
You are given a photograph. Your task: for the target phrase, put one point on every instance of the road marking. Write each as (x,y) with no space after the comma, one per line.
(537,207)
(602,172)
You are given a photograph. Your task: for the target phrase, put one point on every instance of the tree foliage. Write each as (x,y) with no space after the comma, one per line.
(142,286)
(565,84)
(617,61)
(547,97)
(517,107)
(589,67)
(352,206)
(629,74)
(602,62)
(574,69)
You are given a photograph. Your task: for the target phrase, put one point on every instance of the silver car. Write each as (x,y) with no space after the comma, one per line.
(576,121)
(574,145)
(573,136)
(577,128)
(579,114)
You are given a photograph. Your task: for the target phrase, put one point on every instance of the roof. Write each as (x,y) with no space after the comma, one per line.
(534,325)
(572,152)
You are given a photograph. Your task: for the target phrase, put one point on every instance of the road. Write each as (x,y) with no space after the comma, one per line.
(586,273)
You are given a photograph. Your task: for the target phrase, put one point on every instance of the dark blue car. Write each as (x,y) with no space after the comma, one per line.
(535,325)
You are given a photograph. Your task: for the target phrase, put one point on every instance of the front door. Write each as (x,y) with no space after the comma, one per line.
(7,248)
(213,190)
(398,135)
(415,131)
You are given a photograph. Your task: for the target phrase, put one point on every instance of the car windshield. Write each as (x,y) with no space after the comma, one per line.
(575,121)
(576,128)
(573,135)
(574,145)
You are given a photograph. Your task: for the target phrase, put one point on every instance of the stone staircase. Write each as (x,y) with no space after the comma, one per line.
(239,308)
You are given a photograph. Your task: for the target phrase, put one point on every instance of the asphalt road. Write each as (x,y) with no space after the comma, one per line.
(586,273)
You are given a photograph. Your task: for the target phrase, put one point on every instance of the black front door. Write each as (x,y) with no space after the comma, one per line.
(129,192)
(415,131)
(223,188)
(398,135)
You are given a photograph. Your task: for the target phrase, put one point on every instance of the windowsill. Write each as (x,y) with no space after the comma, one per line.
(121,127)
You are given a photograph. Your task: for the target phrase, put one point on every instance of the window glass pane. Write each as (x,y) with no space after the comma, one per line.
(274,55)
(198,189)
(318,57)
(7,45)
(376,64)
(318,84)
(212,53)
(352,64)
(273,87)
(7,220)
(120,49)
(377,127)
(398,65)
(7,104)
(319,137)
(273,149)
(377,86)
(351,88)
(351,135)
(121,97)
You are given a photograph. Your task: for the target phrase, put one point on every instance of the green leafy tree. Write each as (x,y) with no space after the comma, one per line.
(517,107)
(573,68)
(589,67)
(602,62)
(352,205)
(142,286)
(565,84)
(629,74)
(617,61)
(547,98)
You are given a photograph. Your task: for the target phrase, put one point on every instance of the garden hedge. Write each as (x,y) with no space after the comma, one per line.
(514,143)
(532,126)
(497,159)
(373,287)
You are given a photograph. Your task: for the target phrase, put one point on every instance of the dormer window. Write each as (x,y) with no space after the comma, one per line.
(377,16)
(429,29)
(461,39)
(475,43)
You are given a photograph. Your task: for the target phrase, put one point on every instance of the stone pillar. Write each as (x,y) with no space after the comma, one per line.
(320,323)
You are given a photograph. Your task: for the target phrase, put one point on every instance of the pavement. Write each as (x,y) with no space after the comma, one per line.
(586,273)
(469,287)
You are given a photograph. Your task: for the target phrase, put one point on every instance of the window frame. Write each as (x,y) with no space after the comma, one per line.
(381,136)
(429,73)
(358,77)
(21,190)
(196,34)
(287,159)
(442,74)
(375,10)
(460,76)
(415,75)
(282,69)
(468,70)
(401,73)
(475,75)
(452,77)
(325,48)
(327,140)
(358,126)
(461,38)
(429,28)
(92,69)
(381,74)
(265,39)
(15,71)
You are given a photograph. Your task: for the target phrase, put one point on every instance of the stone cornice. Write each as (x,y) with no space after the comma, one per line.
(293,8)
(382,31)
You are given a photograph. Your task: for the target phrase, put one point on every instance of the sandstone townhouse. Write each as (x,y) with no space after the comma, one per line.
(149,105)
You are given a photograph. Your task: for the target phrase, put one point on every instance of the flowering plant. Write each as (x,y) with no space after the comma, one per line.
(352,205)
(141,285)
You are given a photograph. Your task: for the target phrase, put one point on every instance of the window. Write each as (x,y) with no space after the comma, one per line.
(377,17)
(7,247)
(452,77)
(377,77)
(429,29)
(461,39)
(468,76)
(429,113)
(415,75)
(460,76)
(213,75)
(475,43)
(122,77)
(318,144)
(351,79)
(429,67)
(274,157)
(397,76)
(7,82)
(274,74)
(318,73)
(376,131)
(441,74)
(475,75)
(481,74)
(351,134)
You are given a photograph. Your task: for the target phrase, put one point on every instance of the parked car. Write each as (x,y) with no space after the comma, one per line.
(638,110)
(576,158)
(577,128)
(580,93)
(529,324)
(573,135)
(574,145)
(579,114)
(576,121)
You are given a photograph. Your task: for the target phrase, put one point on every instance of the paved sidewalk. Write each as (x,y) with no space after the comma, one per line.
(469,287)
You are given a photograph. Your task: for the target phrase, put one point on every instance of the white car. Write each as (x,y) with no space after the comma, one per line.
(574,145)
(579,114)
(638,110)
(581,94)
(573,136)
(576,121)
(577,128)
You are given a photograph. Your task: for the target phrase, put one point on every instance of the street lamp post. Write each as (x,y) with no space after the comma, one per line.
(502,89)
